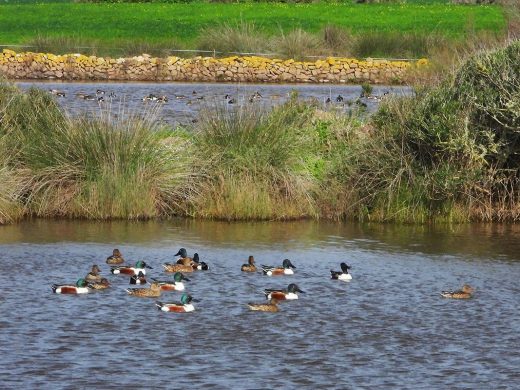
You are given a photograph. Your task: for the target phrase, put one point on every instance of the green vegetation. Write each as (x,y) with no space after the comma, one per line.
(388,29)
(449,153)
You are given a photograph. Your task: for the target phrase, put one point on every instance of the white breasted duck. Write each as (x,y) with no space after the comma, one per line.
(138,279)
(183,306)
(285,269)
(343,274)
(286,294)
(140,266)
(176,284)
(81,287)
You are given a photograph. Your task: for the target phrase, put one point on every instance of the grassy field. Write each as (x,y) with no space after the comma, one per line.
(181,25)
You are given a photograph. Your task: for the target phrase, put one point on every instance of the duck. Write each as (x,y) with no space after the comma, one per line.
(57,92)
(184,306)
(100,92)
(176,284)
(89,97)
(169,267)
(465,293)
(81,287)
(116,258)
(140,266)
(93,275)
(328,100)
(199,265)
(339,99)
(285,269)
(343,274)
(150,98)
(153,292)
(162,99)
(286,294)
(184,258)
(232,101)
(101,285)
(250,266)
(272,306)
(138,279)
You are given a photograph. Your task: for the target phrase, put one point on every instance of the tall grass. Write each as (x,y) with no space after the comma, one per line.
(257,163)
(242,37)
(92,168)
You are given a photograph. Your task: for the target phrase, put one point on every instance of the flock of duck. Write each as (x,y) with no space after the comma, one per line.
(100,95)
(186,264)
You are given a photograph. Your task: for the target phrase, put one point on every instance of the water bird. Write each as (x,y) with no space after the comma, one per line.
(81,287)
(193,92)
(153,292)
(140,266)
(112,95)
(150,98)
(94,274)
(169,267)
(343,274)
(57,92)
(250,266)
(328,100)
(140,278)
(286,294)
(101,285)
(176,284)
(199,265)
(232,101)
(339,99)
(100,99)
(465,293)
(271,306)
(227,96)
(100,92)
(183,306)
(285,269)
(116,258)
(162,99)
(180,97)
(89,97)
(183,257)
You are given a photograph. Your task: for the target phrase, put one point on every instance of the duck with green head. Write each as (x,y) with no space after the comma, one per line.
(285,269)
(140,266)
(290,293)
(183,259)
(176,284)
(81,287)
(183,306)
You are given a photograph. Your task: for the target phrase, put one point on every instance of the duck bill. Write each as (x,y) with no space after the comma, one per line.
(147,266)
(185,278)
(195,300)
(300,291)
(178,253)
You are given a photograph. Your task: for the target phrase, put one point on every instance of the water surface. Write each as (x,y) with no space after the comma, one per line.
(388,328)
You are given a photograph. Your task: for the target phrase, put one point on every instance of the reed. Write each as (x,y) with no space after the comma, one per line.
(93,168)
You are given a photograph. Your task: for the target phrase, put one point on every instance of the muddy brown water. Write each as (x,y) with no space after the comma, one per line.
(387,328)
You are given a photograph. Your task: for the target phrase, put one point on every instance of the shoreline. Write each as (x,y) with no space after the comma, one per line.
(248,69)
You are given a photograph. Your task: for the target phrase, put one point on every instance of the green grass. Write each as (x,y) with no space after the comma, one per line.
(110,25)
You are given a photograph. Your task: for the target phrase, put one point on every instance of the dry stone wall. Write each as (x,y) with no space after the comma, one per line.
(232,69)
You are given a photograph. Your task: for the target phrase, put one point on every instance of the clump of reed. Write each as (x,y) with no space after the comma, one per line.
(92,168)
(296,44)
(256,163)
(63,44)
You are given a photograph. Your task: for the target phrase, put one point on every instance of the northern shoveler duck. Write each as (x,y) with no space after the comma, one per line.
(183,257)
(138,279)
(153,292)
(176,284)
(101,285)
(116,258)
(343,274)
(81,287)
(250,266)
(93,275)
(140,266)
(465,293)
(57,92)
(199,265)
(287,294)
(183,306)
(285,269)
(339,99)
(272,306)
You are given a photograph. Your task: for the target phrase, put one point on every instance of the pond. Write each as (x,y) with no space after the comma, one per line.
(185,100)
(387,328)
